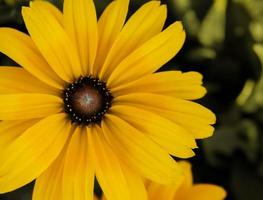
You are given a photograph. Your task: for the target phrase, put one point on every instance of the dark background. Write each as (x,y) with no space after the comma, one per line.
(220,39)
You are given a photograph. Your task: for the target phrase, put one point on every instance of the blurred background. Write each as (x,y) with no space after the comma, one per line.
(221,35)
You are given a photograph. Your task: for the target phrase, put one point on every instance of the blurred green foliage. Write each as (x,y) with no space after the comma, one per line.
(222,38)
(225,44)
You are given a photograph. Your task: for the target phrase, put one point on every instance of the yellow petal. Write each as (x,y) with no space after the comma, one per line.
(150,56)
(109,27)
(50,8)
(190,115)
(202,192)
(10,130)
(52,41)
(27,106)
(188,176)
(171,137)
(143,25)
(18,80)
(32,153)
(24,52)
(170,83)
(135,183)
(78,175)
(80,22)
(48,185)
(158,191)
(196,125)
(167,103)
(107,167)
(166,192)
(140,152)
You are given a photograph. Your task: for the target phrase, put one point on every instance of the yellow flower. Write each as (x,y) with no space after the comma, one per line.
(87,102)
(186,190)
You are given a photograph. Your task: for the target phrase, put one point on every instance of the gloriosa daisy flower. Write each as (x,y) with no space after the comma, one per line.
(186,190)
(87,102)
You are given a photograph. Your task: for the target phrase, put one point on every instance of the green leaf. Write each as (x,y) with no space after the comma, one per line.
(10,2)
(202,53)
(185,9)
(255,99)
(212,32)
(242,135)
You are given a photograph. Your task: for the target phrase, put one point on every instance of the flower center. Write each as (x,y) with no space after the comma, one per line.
(87,100)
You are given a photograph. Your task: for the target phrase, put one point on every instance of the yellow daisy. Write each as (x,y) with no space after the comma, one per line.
(87,102)
(186,190)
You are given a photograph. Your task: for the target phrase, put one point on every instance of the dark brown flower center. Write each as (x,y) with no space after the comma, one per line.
(87,100)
